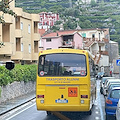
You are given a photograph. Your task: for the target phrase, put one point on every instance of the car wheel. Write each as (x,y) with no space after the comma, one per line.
(107,117)
(48,113)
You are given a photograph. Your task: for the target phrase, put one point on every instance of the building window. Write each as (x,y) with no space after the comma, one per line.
(17,23)
(35,27)
(45,23)
(29,29)
(22,47)
(93,35)
(21,26)
(18,48)
(29,48)
(99,36)
(6,33)
(48,48)
(84,35)
(41,19)
(36,46)
(48,40)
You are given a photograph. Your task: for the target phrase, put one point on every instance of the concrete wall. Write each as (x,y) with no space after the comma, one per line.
(16,89)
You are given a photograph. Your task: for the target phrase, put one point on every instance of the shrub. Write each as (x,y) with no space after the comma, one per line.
(19,73)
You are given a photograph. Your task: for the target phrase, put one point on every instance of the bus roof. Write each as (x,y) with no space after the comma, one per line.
(63,50)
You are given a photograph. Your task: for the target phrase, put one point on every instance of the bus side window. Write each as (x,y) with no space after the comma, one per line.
(92,67)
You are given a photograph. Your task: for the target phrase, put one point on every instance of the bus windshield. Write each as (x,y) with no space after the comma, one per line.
(62,64)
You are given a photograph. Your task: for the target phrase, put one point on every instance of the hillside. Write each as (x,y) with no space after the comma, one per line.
(95,15)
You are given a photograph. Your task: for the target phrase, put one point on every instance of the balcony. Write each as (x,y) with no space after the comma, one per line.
(7,49)
(101,42)
(36,36)
(18,55)
(104,52)
(35,17)
(18,11)
(68,44)
(7,18)
(18,33)
(35,56)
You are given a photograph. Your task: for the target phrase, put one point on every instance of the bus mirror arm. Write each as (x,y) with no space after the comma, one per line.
(96,67)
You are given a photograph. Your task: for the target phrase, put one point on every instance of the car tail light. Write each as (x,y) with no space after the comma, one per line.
(84,96)
(40,96)
(108,101)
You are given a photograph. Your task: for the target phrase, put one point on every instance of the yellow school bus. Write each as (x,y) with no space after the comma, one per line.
(65,80)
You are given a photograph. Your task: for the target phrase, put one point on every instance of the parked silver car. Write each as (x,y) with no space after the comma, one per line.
(118,111)
(102,82)
(113,80)
(111,85)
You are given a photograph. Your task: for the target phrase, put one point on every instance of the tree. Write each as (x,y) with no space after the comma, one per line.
(5,8)
(1,44)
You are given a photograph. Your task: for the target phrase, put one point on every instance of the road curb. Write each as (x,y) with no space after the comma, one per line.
(17,108)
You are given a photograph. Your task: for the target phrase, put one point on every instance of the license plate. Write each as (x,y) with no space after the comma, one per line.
(61,101)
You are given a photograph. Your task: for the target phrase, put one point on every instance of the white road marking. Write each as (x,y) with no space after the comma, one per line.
(20,112)
(96,112)
(97,118)
(99,102)
(96,108)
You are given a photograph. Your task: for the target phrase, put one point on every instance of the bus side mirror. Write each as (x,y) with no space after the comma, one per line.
(96,67)
(10,65)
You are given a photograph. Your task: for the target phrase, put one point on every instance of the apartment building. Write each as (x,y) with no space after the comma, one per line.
(47,20)
(20,36)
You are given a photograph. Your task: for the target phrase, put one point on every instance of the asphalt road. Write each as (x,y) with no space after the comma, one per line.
(31,113)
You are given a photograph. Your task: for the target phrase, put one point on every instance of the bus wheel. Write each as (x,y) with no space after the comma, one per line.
(90,112)
(48,113)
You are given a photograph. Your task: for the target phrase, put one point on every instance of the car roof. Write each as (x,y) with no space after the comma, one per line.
(114,88)
(115,83)
(106,78)
(114,79)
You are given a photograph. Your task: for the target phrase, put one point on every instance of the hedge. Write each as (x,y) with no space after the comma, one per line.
(19,73)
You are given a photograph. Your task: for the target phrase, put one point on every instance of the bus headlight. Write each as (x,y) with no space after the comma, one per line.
(82,101)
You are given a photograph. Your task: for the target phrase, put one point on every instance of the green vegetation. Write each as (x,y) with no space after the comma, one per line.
(5,8)
(0,91)
(19,73)
(103,14)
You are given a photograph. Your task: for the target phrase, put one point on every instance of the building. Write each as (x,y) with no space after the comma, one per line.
(47,20)
(64,39)
(113,49)
(20,36)
(95,40)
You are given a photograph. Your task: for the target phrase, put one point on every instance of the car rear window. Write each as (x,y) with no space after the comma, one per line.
(115,94)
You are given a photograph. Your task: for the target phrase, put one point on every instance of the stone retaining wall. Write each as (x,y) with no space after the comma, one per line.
(16,89)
